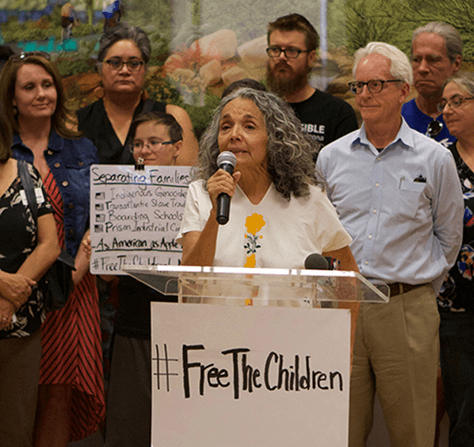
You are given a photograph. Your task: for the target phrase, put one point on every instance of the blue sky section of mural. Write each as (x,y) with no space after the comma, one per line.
(35,13)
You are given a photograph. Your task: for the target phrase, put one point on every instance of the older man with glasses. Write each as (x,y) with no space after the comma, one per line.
(398,195)
(436,54)
(292,50)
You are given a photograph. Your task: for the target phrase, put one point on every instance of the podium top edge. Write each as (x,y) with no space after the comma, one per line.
(241,274)
(173,270)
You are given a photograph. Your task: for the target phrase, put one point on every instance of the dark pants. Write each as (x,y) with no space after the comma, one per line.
(19,377)
(128,420)
(457,369)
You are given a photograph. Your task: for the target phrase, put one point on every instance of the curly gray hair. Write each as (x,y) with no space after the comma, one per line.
(290,152)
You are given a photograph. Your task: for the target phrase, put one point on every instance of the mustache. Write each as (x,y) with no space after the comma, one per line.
(281,64)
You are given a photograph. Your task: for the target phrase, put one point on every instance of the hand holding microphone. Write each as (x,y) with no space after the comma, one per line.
(226,161)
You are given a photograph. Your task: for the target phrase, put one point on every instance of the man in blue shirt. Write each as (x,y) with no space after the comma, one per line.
(397,193)
(436,54)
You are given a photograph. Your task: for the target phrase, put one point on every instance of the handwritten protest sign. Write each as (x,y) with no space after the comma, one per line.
(136,216)
(253,376)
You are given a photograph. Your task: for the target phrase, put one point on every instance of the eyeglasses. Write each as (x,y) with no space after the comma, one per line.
(374,85)
(434,128)
(117,64)
(290,52)
(27,54)
(153,145)
(454,103)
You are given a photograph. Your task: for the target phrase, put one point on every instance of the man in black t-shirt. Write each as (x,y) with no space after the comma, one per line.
(292,46)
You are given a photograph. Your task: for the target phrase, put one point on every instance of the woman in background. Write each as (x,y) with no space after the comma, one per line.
(27,249)
(456,300)
(71,399)
(124,52)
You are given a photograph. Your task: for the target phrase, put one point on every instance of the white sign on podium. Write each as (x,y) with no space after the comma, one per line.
(249,376)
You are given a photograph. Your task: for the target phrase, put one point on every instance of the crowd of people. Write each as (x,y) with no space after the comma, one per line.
(392,200)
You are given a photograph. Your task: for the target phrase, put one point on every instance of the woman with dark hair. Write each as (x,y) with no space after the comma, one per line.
(71,397)
(241,83)
(456,298)
(27,249)
(124,52)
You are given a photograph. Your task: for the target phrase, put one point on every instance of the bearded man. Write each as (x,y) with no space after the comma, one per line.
(292,50)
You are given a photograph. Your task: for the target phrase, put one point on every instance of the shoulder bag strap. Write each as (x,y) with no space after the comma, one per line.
(27,184)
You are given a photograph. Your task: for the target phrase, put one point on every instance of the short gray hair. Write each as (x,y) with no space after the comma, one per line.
(124,32)
(400,67)
(452,38)
(290,152)
(463,79)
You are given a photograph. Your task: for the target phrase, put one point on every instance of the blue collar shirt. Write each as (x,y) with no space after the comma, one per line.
(402,206)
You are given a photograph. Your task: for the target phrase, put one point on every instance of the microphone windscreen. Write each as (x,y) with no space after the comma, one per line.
(315,261)
(226,157)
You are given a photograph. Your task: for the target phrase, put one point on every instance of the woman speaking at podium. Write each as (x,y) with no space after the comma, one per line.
(278,211)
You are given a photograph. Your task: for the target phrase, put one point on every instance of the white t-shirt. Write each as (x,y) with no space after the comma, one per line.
(276,233)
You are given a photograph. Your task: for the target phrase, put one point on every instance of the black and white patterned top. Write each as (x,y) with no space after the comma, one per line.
(457,291)
(17,241)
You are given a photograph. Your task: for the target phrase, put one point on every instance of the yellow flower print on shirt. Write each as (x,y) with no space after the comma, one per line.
(254,224)
(251,261)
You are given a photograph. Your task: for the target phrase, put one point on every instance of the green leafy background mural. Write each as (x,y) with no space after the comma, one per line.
(199,46)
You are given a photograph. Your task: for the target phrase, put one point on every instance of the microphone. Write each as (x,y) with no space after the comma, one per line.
(226,161)
(315,261)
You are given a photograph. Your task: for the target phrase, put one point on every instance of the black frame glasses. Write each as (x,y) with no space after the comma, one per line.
(152,145)
(454,102)
(117,64)
(374,85)
(290,52)
(434,128)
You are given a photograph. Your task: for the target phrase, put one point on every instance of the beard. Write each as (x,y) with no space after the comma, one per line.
(286,85)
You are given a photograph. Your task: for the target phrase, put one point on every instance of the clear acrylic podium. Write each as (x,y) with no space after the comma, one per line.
(259,286)
(266,415)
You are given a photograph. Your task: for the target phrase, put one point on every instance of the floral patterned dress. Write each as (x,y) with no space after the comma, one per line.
(17,241)
(457,292)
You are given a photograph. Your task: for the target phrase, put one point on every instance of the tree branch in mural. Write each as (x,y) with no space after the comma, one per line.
(393,21)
